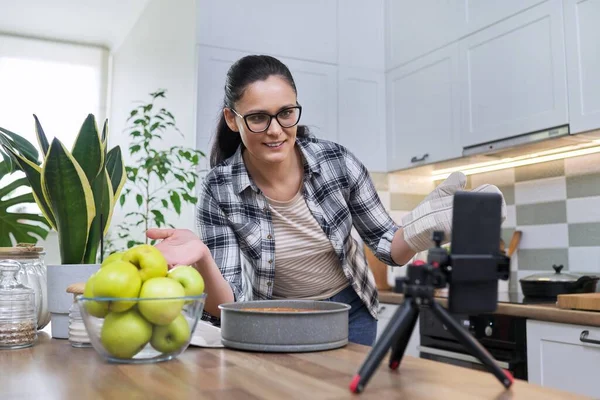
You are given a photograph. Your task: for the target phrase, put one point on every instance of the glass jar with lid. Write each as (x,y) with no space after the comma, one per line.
(33,274)
(18,315)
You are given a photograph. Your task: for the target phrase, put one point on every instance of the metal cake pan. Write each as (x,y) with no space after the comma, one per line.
(323,327)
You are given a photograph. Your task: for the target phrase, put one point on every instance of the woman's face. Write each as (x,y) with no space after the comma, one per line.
(270,96)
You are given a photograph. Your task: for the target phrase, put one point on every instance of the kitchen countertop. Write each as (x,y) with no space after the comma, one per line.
(542,312)
(52,369)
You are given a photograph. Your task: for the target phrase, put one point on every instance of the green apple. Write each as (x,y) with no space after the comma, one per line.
(190,279)
(161,312)
(170,338)
(96,308)
(149,260)
(113,257)
(117,279)
(124,334)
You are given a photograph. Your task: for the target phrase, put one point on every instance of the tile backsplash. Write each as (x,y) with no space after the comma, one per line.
(555,204)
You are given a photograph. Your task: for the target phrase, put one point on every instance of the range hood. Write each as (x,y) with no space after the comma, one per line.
(526,149)
(533,142)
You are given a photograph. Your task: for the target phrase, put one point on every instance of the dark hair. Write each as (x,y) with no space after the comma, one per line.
(242,73)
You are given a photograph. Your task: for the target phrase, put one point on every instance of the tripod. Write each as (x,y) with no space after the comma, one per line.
(418,287)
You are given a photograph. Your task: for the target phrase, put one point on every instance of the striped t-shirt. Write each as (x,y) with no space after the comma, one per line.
(306,265)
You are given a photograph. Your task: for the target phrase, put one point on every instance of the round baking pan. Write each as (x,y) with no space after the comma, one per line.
(284,325)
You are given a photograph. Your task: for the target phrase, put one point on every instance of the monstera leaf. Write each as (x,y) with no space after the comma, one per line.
(23,227)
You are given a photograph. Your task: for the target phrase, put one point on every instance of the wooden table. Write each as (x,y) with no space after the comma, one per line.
(52,369)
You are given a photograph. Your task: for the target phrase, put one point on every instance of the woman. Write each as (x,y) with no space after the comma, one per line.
(276,211)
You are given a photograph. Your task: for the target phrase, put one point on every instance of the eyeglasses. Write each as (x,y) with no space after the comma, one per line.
(260,122)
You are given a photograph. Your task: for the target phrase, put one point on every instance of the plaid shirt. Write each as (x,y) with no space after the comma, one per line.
(234,220)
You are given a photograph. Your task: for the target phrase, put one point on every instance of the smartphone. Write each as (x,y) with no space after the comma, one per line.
(475,245)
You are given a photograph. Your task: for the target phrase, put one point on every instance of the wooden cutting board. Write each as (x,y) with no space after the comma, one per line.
(583,301)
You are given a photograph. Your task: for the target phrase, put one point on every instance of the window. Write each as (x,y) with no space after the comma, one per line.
(60,83)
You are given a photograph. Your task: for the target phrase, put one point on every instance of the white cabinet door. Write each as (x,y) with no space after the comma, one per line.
(414,28)
(361,34)
(301,29)
(514,76)
(386,311)
(479,14)
(423,110)
(361,110)
(316,84)
(559,358)
(582,33)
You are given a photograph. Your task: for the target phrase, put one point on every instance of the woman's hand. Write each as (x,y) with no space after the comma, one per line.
(434,213)
(179,246)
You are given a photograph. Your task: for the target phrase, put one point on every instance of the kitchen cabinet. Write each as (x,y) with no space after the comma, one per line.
(513,76)
(416,28)
(316,84)
(423,109)
(361,107)
(477,14)
(361,35)
(386,312)
(304,30)
(558,357)
(583,63)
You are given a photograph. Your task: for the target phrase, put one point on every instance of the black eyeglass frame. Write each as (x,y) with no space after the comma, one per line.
(271,116)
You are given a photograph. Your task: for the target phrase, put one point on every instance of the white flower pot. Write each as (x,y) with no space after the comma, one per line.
(59,301)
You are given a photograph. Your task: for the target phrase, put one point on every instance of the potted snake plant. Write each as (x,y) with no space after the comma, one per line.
(76,192)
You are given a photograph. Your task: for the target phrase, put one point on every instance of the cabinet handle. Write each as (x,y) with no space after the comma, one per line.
(583,338)
(417,159)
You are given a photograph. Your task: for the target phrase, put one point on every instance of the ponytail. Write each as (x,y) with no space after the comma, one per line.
(226,143)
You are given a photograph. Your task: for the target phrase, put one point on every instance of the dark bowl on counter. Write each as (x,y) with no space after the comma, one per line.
(550,285)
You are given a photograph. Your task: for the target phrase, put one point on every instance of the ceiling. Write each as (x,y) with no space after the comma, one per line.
(98,22)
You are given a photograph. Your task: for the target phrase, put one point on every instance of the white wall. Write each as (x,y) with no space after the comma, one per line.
(159,52)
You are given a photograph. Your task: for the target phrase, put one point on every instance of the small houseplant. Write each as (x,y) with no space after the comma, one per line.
(158,180)
(76,192)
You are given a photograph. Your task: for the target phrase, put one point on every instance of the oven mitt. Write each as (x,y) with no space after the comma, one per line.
(434,213)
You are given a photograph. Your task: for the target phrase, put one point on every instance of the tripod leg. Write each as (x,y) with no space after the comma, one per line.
(403,338)
(393,330)
(472,345)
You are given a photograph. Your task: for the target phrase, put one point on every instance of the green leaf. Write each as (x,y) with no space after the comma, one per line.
(87,150)
(7,161)
(134,149)
(34,176)
(139,199)
(71,199)
(20,145)
(116,170)
(158,218)
(103,200)
(133,113)
(176,202)
(23,227)
(104,137)
(122,200)
(165,203)
(179,177)
(41,136)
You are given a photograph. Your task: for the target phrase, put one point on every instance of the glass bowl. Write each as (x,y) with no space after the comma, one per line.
(140,330)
